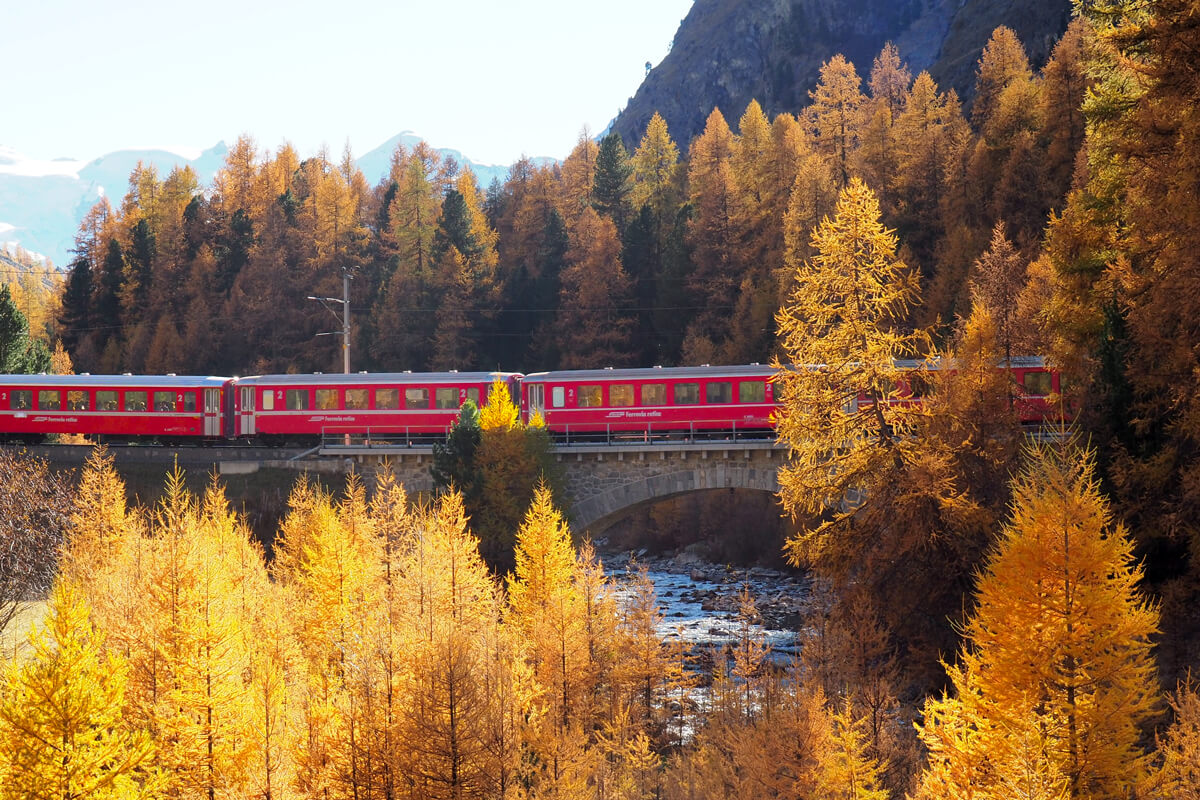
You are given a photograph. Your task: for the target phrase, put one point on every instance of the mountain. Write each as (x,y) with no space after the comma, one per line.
(729,52)
(42,202)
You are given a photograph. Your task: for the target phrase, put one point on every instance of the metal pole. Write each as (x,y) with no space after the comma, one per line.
(346,320)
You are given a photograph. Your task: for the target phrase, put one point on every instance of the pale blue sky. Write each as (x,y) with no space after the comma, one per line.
(495,79)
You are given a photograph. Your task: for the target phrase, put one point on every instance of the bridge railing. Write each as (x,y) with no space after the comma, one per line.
(729,430)
(379,438)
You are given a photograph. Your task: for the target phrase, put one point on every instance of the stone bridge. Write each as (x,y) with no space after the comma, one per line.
(604,482)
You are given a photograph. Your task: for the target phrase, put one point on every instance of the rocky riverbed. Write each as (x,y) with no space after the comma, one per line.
(700,601)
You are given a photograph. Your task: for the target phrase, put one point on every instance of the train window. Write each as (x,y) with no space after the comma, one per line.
(106,400)
(620,394)
(752,391)
(50,400)
(296,399)
(164,401)
(558,396)
(1038,384)
(77,400)
(654,394)
(268,401)
(327,399)
(718,392)
(387,399)
(473,395)
(21,399)
(357,399)
(686,394)
(445,397)
(591,397)
(189,401)
(416,398)
(135,400)
(919,384)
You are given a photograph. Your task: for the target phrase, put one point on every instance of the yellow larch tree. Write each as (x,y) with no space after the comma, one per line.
(578,179)
(757,220)
(544,605)
(655,165)
(189,644)
(715,280)
(847,771)
(835,115)
(546,609)
(482,232)
(235,183)
(840,332)
(593,325)
(100,524)
(1177,775)
(328,559)
(1057,676)
(643,669)
(500,413)
(393,527)
(63,728)
(889,82)
(446,731)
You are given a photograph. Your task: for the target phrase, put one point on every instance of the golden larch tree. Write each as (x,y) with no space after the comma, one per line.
(836,115)
(63,728)
(1058,658)
(840,332)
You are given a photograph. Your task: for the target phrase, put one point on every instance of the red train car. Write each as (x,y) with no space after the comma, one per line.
(115,407)
(379,406)
(1036,387)
(738,400)
(1037,390)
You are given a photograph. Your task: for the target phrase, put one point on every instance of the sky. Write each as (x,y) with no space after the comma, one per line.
(495,79)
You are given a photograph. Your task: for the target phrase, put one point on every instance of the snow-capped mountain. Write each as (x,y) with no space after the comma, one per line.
(42,202)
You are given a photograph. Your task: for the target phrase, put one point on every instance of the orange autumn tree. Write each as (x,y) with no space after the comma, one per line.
(1057,675)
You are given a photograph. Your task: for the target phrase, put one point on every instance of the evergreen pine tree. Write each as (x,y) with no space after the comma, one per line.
(614,181)
(75,321)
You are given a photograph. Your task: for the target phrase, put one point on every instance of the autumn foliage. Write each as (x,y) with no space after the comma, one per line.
(890,249)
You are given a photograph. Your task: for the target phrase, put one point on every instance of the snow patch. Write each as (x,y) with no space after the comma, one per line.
(189,153)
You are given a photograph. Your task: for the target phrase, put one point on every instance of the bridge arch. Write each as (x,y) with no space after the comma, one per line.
(596,508)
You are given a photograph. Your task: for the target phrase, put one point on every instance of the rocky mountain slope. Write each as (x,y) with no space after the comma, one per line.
(728,52)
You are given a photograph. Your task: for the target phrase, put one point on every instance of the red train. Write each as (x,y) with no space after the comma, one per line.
(391,407)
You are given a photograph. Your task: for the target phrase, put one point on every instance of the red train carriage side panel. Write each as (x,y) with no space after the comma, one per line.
(165,406)
(381,404)
(657,400)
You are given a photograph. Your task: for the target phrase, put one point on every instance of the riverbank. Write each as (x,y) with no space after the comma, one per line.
(700,600)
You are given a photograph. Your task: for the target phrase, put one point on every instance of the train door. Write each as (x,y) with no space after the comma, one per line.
(212,412)
(246,420)
(537,399)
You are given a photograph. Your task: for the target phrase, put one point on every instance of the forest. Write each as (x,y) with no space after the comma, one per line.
(1000,617)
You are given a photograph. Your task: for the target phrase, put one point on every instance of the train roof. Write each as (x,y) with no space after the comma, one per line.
(649,373)
(406,378)
(119,381)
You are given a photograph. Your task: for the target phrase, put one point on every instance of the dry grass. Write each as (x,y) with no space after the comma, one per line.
(15,638)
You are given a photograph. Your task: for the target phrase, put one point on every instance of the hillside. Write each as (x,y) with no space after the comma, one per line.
(728,52)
